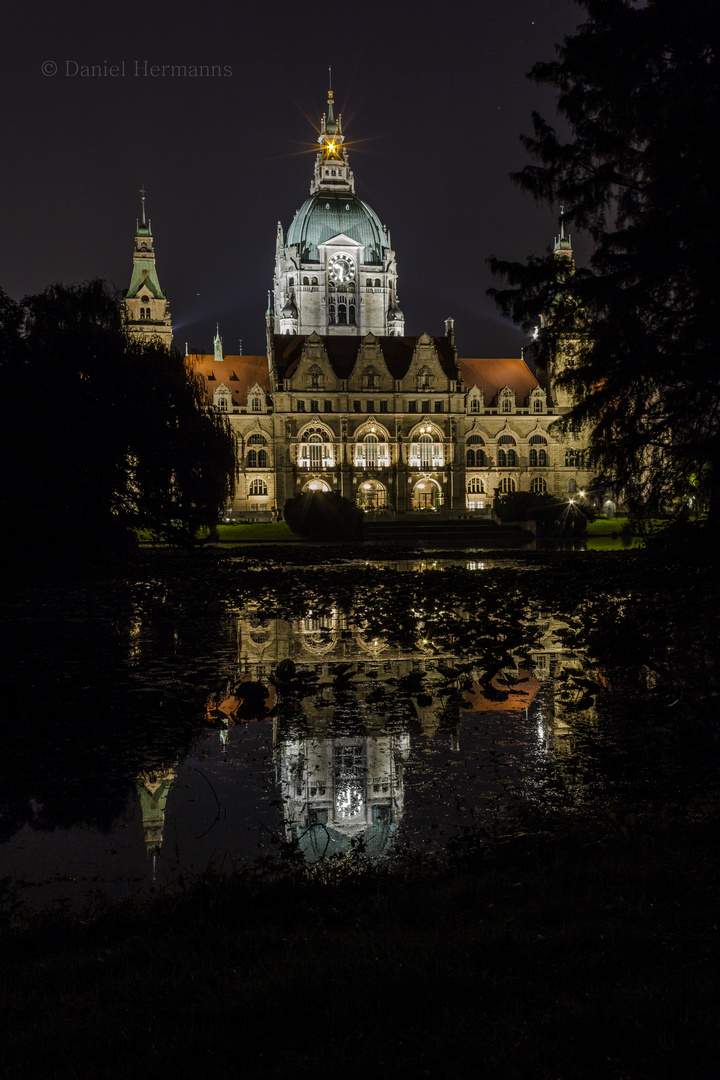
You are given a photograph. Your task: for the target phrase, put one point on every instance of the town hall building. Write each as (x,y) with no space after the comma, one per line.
(344,400)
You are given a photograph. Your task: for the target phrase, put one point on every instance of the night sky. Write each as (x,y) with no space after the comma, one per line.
(433,100)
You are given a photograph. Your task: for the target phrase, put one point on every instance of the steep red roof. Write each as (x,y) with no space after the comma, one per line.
(238,373)
(492,375)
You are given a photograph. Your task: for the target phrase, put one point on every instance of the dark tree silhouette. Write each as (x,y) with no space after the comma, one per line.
(633,336)
(101,433)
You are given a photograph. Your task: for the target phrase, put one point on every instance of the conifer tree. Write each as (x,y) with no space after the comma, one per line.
(635,161)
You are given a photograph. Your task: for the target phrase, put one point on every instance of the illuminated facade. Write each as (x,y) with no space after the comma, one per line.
(344,401)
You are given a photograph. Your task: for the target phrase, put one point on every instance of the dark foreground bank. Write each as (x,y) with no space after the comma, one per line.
(580,954)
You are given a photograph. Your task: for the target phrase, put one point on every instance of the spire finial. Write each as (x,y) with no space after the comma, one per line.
(330,116)
(142,199)
(562,221)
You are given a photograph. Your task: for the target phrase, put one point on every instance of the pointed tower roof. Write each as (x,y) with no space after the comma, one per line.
(562,246)
(144,275)
(332,169)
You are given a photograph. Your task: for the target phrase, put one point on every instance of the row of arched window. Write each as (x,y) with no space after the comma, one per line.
(369,282)
(507,402)
(341,314)
(257,458)
(145,313)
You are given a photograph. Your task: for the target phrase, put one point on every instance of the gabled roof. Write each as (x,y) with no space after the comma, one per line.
(343,351)
(238,373)
(492,375)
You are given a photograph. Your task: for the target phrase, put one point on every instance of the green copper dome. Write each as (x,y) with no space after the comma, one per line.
(328,213)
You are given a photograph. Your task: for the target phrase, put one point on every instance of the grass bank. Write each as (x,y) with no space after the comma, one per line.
(549,956)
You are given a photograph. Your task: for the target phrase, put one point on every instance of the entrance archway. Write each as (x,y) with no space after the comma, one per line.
(426,495)
(371,495)
(316,485)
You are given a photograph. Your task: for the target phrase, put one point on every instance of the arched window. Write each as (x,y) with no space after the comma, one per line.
(573,459)
(507,486)
(506,404)
(476,486)
(371,451)
(257,440)
(351,315)
(502,459)
(572,486)
(512,459)
(538,457)
(342,314)
(291,281)
(474,404)
(315,450)
(252,459)
(537,404)
(377,282)
(306,281)
(258,487)
(427,451)
(315,447)
(425,447)
(538,485)
(314,281)
(331,314)
(506,440)
(262,459)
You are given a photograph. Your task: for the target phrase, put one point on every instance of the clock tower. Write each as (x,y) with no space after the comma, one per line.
(335,270)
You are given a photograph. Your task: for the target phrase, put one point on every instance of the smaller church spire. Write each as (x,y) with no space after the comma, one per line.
(217,342)
(562,244)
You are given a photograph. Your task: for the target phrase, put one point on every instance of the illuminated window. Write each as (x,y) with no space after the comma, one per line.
(474,404)
(507,486)
(476,486)
(258,487)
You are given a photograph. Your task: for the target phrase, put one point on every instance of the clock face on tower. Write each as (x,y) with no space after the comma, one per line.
(341,269)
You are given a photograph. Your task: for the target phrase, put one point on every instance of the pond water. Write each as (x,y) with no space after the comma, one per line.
(209,711)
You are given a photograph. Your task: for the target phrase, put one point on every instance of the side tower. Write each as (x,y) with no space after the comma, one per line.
(335,270)
(146,308)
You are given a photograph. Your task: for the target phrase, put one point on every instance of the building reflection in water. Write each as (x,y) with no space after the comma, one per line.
(341,754)
(153,788)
